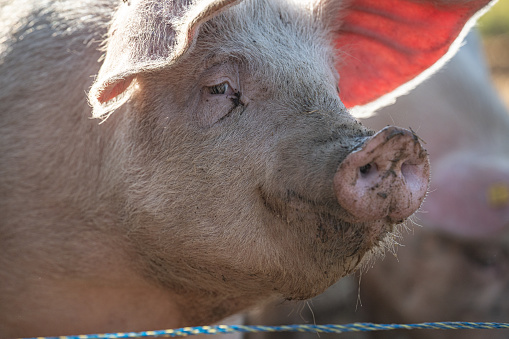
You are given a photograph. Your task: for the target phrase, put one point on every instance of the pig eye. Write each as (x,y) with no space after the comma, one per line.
(222,88)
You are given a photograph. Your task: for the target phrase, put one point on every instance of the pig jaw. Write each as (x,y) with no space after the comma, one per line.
(339,236)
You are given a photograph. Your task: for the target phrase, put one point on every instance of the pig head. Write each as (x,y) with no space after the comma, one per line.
(226,170)
(454,266)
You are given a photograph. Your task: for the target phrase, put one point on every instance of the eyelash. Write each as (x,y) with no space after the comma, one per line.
(218,89)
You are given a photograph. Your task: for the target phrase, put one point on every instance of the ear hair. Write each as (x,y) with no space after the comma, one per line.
(329,12)
(144,36)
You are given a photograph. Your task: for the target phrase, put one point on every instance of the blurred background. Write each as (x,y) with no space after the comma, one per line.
(494,27)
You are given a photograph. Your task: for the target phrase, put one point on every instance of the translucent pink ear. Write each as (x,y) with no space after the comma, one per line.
(387,47)
(113,90)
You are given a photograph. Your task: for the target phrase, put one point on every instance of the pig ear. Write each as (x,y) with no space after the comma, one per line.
(146,35)
(388,47)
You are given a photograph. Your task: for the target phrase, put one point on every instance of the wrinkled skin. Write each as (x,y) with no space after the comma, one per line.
(457,269)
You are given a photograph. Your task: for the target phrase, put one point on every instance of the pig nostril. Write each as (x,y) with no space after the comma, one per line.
(411,174)
(365,169)
(407,170)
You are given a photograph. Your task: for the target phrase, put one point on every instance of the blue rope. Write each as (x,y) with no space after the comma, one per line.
(355,327)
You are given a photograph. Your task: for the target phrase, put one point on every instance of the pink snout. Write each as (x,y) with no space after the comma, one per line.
(386,178)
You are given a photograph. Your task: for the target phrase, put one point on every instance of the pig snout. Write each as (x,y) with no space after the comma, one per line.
(470,194)
(387,177)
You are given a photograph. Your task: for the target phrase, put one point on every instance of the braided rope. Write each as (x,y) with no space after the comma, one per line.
(355,327)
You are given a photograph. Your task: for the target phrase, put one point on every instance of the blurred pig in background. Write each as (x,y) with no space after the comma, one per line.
(456,266)
(453,266)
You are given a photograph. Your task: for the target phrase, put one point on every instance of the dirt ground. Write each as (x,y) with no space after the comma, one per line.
(497,53)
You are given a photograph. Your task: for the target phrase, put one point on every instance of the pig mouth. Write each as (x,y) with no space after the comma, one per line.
(326,222)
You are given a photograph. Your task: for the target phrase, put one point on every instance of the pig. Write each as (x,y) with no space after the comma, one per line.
(222,168)
(453,266)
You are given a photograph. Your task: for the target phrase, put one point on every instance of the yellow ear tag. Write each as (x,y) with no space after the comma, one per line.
(498,195)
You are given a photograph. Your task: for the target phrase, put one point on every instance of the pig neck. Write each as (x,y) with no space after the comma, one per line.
(45,294)
(114,298)
(42,302)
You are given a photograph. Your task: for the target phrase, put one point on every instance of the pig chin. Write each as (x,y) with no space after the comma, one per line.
(336,247)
